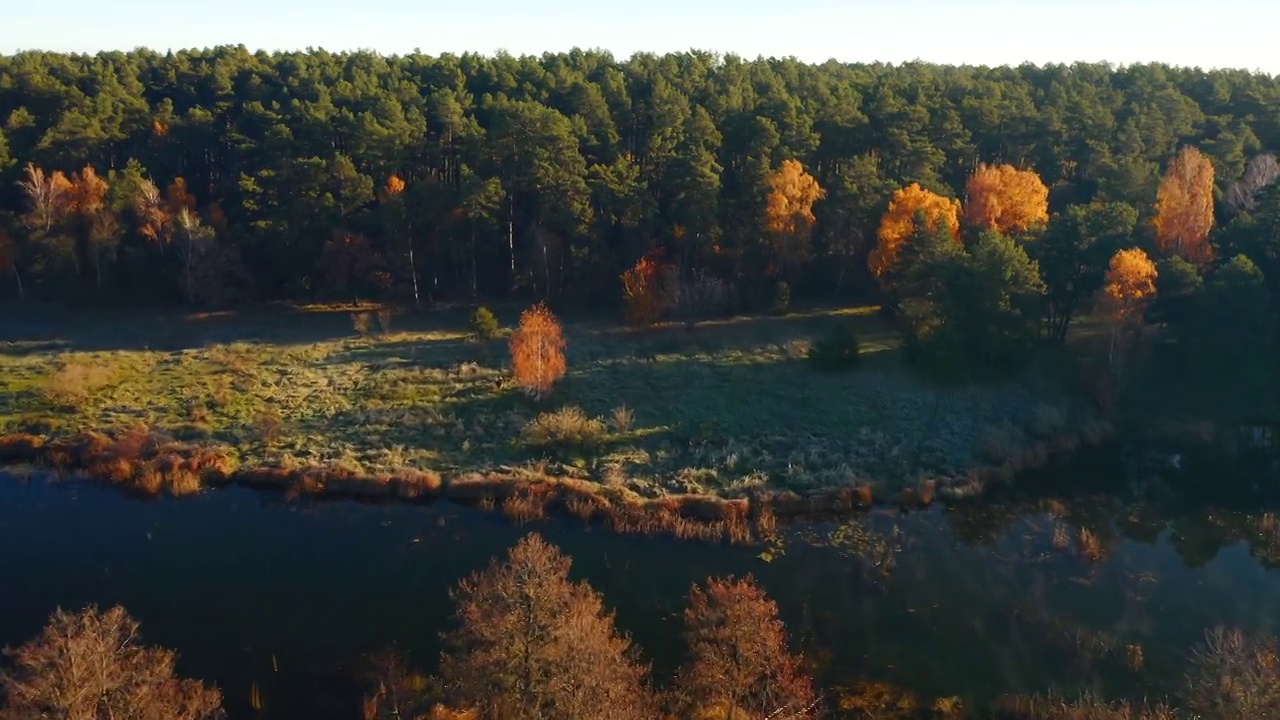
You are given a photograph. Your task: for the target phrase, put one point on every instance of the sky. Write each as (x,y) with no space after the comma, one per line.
(1231,33)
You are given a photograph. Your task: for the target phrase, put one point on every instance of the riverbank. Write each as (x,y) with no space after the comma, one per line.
(709,432)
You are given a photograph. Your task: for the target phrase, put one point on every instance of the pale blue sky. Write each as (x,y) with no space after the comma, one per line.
(1231,33)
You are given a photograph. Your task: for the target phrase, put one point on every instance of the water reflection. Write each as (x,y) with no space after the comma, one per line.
(1022,593)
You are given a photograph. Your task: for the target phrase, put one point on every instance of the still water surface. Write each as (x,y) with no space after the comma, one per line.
(289,595)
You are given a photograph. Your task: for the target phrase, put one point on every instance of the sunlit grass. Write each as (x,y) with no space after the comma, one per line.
(727,408)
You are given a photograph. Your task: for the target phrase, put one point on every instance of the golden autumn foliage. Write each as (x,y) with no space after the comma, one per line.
(533,644)
(537,351)
(739,663)
(1131,286)
(46,196)
(87,193)
(1005,199)
(899,222)
(393,187)
(153,215)
(789,215)
(179,198)
(641,292)
(92,664)
(1184,208)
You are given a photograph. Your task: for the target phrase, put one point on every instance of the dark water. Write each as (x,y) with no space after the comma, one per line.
(251,589)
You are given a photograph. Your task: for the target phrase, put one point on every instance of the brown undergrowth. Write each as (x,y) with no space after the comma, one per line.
(147,462)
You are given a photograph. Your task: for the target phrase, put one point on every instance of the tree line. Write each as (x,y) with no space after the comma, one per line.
(210,176)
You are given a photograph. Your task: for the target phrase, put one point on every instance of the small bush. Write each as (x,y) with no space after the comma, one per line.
(781,298)
(361,322)
(384,321)
(622,418)
(836,350)
(566,427)
(483,323)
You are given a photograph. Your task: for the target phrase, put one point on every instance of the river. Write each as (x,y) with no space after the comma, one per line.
(251,589)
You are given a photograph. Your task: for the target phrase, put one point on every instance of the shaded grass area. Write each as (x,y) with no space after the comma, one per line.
(729,409)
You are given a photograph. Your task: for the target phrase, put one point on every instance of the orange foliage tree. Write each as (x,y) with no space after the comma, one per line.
(96,224)
(1129,289)
(1184,208)
(789,215)
(641,293)
(532,644)
(739,665)
(899,222)
(46,197)
(537,351)
(1005,199)
(91,665)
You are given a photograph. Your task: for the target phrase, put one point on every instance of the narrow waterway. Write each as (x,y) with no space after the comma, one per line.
(987,598)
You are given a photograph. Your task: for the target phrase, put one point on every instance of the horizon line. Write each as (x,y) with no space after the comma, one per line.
(718,54)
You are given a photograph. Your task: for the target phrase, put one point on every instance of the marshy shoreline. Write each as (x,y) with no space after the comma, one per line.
(649,432)
(148,463)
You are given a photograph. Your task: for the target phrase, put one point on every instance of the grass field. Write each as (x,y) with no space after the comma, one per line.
(726,408)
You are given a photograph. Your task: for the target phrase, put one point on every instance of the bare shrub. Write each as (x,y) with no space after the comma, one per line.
(739,663)
(75,381)
(361,322)
(1234,677)
(622,419)
(91,665)
(530,644)
(1085,707)
(568,426)
(384,321)
(694,296)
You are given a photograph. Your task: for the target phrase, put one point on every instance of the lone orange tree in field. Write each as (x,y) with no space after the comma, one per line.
(789,215)
(1005,199)
(1130,288)
(739,666)
(899,222)
(1184,208)
(537,351)
(640,292)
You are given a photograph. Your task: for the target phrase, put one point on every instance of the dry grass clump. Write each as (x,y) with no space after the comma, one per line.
(622,419)
(75,381)
(1234,677)
(1090,546)
(362,322)
(20,448)
(566,427)
(529,503)
(1085,707)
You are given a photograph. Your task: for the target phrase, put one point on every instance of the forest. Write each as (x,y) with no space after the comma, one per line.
(210,176)
(683,185)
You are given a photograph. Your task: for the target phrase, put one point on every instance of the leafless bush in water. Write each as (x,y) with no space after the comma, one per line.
(91,665)
(1234,677)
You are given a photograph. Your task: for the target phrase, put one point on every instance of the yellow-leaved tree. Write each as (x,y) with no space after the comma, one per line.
(537,351)
(899,222)
(1129,289)
(1005,199)
(1184,208)
(789,215)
